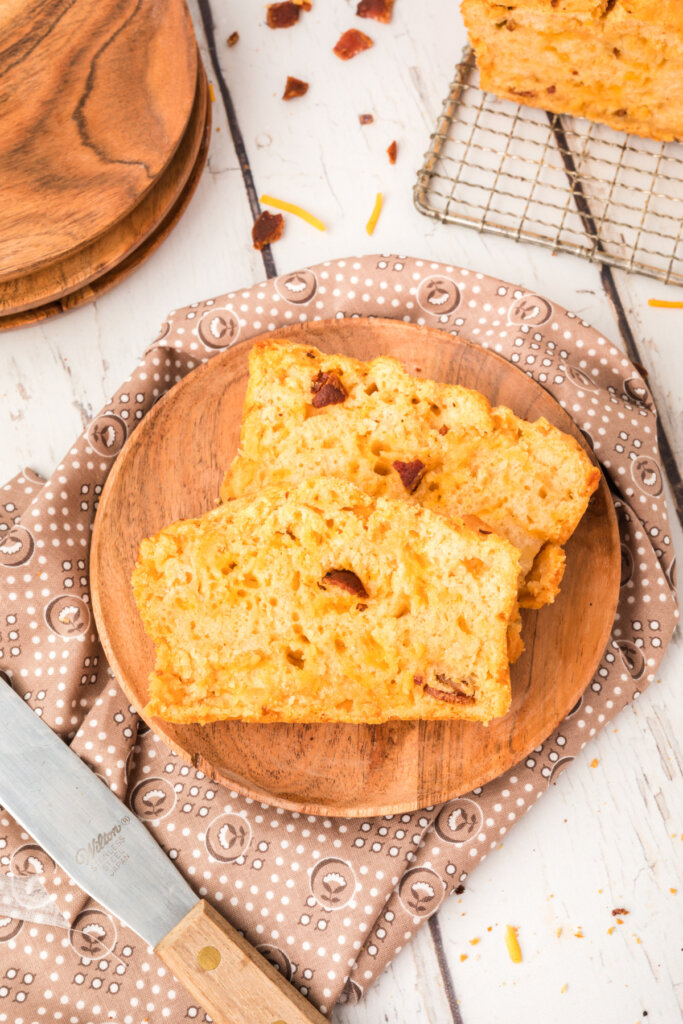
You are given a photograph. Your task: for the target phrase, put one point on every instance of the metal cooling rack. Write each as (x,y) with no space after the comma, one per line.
(564,183)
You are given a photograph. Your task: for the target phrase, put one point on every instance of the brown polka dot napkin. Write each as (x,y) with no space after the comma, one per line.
(329,901)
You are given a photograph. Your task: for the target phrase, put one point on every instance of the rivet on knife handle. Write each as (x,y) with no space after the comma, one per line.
(227,976)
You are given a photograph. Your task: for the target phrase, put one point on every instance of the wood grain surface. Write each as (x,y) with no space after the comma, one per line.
(94,100)
(229,978)
(197,142)
(171,468)
(65,276)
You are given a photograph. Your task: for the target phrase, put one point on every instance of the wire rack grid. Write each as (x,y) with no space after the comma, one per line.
(561,182)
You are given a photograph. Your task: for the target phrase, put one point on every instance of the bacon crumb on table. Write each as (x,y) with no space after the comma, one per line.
(267,228)
(366,118)
(392,150)
(380,10)
(233,38)
(294,87)
(351,43)
(282,15)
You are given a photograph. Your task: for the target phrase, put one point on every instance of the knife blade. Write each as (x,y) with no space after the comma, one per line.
(86,829)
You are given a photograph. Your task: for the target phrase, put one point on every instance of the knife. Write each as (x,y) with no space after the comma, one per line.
(109,853)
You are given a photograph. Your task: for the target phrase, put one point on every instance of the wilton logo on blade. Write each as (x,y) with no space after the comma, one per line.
(152,799)
(16,546)
(228,837)
(93,934)
(529,309)
(98,843)
(421,891)
(219,328)
(68,616)
(297,288)
(438,295)
(459,821)
(333,883)
(107,434)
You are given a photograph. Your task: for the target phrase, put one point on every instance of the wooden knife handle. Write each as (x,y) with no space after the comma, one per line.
(226,975)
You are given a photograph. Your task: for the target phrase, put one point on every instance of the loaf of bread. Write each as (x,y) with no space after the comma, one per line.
(615,61)
(320,604)
(436,445)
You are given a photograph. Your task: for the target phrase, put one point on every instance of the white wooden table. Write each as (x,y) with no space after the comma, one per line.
(604,836)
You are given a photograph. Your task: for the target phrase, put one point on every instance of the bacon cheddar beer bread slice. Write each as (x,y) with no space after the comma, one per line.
(437,445)
(321,604)
(615,61)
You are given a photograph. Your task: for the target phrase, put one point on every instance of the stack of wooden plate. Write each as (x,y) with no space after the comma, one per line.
(106,118)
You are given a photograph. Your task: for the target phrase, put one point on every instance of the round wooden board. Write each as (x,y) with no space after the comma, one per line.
(67,275)
(91,290)
(171,468)
(95,100)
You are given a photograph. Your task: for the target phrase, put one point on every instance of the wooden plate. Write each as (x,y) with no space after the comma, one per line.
(172,467)
(71,273)
(95,99)
(200,131)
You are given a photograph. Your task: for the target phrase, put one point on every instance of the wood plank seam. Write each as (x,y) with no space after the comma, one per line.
(669,463)
(235,130)
(442,960)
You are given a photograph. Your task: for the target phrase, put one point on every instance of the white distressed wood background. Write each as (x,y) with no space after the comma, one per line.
(605,836)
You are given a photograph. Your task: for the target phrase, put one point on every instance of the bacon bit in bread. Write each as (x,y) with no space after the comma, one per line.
(327,389)
(374,216)
(512,944)
(392,150)
(345,580)
(443,430)
(267,228)
(380,10)
(366,118)
(620,912)
(282,15)
(410,473)
(351,43)
(298,211)
(294,87)
(452,695)
(459,889)
(233,38)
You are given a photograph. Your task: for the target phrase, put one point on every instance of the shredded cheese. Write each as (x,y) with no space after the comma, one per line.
(664,304)
(374,216)
(298,211)
(512,944)
(212,93)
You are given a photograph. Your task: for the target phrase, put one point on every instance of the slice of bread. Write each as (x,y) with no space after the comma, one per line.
(437,445)
(321,604)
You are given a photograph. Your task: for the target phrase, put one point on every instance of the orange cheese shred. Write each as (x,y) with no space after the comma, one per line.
(298,211)
(374,216)
(512,944)
(664,304)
